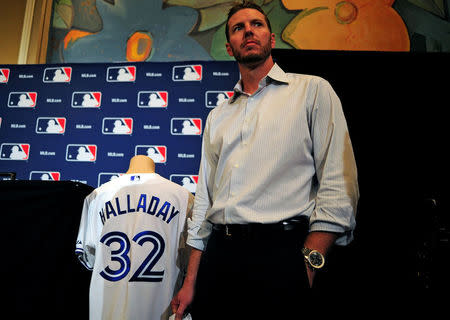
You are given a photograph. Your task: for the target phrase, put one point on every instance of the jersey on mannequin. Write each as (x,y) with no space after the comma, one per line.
(132,237)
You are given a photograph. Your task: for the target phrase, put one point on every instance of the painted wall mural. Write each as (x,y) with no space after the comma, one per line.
(177,30)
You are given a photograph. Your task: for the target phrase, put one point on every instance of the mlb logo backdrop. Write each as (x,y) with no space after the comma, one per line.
(84,122)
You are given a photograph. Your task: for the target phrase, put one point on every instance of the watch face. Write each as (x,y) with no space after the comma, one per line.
(316,259)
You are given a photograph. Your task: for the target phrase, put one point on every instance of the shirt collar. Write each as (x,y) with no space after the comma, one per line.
(276,74)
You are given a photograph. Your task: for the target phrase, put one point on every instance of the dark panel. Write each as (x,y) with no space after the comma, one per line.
(395,105)
(40,225)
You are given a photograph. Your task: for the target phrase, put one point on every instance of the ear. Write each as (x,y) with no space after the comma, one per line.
(229,50)
(272,40)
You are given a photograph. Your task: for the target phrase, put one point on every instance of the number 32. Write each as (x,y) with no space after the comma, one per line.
(144,272)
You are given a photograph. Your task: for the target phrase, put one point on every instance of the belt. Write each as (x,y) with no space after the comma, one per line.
(239,230)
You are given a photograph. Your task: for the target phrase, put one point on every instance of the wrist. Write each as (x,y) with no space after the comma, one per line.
(189,281)
(321,241)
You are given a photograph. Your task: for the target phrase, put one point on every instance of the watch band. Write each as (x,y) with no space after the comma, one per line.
(306,251)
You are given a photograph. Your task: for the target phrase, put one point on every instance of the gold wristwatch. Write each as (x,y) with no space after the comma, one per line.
(314,258)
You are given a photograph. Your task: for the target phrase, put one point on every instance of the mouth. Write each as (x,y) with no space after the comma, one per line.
(250,43)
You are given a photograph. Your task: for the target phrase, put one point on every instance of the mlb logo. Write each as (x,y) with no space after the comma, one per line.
(105,177)
(157,153)
(187,73)
(86,99)
(216,98)
(117,126)
(81,152)
(45,175)
(14,151)
(186,126)
(188,181)
(121,74)
(152,99)
(57,75)
(4,75)
(22,99)
(50,125)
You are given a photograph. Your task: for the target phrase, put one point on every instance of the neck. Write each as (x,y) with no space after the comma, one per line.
(251,75)
(141,164)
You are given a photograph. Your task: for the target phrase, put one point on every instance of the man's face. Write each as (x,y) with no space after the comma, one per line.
(250,38)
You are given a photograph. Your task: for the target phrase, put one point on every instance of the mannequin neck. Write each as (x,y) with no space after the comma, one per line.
(141,164)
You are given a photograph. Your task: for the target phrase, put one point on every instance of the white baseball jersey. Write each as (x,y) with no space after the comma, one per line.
(131,235)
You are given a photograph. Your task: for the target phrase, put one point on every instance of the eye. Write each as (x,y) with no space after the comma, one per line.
(237,28)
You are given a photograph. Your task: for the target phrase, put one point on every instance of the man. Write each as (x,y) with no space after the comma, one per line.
(277,185)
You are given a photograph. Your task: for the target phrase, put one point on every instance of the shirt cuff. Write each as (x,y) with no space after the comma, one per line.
(198,235)
(344,236)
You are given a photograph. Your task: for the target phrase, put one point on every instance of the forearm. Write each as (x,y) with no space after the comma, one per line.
(186,294)
(322,242)
(193,265)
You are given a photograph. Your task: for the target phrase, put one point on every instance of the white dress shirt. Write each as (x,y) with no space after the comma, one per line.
(281,152)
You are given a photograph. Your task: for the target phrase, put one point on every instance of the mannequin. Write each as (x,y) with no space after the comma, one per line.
(139,206)
(141,164)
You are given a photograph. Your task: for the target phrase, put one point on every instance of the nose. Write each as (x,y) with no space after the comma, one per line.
(248,30)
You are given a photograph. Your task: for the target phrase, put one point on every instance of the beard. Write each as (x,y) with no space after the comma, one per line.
(253,59)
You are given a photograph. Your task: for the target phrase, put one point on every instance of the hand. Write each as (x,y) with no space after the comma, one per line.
(182,300)
(185,296)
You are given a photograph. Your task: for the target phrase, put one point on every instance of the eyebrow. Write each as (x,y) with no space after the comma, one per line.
(251,21)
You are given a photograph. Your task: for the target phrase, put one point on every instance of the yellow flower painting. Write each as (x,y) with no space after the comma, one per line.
(369,25)
(181,30)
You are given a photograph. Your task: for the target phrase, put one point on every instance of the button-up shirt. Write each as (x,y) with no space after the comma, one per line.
(281,152)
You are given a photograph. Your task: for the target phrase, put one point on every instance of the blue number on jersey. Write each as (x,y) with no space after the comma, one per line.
(120,255)
(144,272)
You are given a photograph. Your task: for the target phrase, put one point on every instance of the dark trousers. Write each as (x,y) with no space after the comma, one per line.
(251,273)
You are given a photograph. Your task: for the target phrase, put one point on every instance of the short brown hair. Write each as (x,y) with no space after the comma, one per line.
(244,5)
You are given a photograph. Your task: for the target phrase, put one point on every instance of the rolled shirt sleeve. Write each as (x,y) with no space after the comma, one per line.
(199,228)
(337,192)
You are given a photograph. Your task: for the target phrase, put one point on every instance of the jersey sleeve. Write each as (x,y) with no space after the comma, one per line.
(84,247)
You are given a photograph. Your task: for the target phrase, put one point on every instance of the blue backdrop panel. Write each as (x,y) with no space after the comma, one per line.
(83,122)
